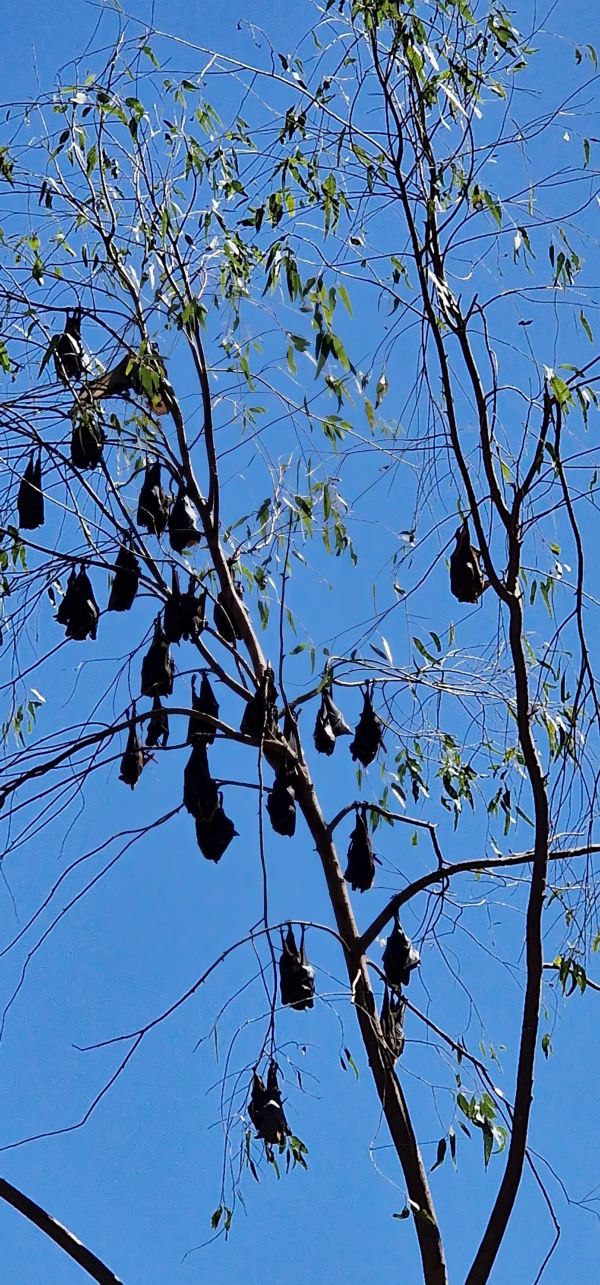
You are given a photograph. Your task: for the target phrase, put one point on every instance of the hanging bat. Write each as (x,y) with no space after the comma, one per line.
(158,725)
(324,735)
(67,350)
(130,375)
(153,502)
(79,611)
(127,578)
(335,717)
(30,499)
(133,761)
(158,666)
(184,612)
(281,801)
(87,438)
(205,703)
(200,792)
(290,732)
(260,715)
(296,977)
(466,577)
(368,735)
(330,723)
(214,836)
(266,1110)
(223,622)
(399,957)
(361,862)
(392,1023)
(183,523)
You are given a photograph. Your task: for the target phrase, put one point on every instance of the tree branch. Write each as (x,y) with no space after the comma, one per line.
(59,1234)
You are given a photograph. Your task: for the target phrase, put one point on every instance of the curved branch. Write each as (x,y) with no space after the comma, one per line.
(59,1234)
(462,867)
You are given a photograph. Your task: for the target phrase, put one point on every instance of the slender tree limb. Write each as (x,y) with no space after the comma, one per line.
(479,865)
(61,1235)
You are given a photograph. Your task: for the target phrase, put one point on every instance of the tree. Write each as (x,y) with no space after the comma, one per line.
(251,351)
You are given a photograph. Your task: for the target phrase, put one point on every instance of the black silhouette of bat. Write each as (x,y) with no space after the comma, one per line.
(330,723)
(67,350)
(296,976)
(158,725)
(324,735)
(399,957)
(215,835)
(336,719)
(281,800)
(266,1110)
(183,523)
(205,703)
(392,1023)
(184,612)
(30,499)
(87,438)
(290,731)
(200,792)
(158,666)
(223,623)
(368,735)
(260,715)
(153,502)
(132,763)
(360,872)
(466,577)
(79,610)
(127,578)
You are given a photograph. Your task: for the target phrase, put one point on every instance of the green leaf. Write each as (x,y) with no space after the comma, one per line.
(421,648)
(441,1154)
(351,1062)
(546,1045)
(586,326)
(345,298)
(92,159)
(388,651)
(488,1142)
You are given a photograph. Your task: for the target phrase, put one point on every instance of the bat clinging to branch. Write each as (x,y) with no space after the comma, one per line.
(266,1109)
(466,577)
(369,731)
(153,502)
(127,578)
(360,871)
(30,499)
(79,610)
(158,666)
(296,976)
(205,703)
(399,957)
(132,763)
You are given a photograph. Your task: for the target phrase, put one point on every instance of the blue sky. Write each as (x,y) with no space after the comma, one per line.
(139,1182)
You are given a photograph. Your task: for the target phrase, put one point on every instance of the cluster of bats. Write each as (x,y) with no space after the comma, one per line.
(297,989)
(183,617)
(156,508)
